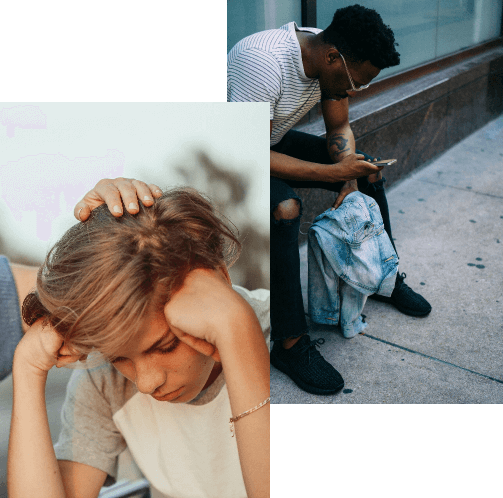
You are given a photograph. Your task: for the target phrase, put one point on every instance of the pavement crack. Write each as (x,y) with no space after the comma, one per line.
(462,188)
(431,357)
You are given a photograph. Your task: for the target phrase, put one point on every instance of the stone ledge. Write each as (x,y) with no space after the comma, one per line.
(418,121)
(381,109)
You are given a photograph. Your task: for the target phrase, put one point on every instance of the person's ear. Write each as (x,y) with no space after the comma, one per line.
(332,55)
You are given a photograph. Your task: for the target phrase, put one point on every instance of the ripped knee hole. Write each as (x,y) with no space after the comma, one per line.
(287,210)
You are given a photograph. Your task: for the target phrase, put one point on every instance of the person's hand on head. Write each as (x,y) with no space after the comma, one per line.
(115,192)
(42,347)
(199,312)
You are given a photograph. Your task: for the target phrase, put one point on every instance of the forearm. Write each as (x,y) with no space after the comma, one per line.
(245,362)
(290,168)
(340,142)
(32,468)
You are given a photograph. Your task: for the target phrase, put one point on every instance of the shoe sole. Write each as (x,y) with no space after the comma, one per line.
(282,367)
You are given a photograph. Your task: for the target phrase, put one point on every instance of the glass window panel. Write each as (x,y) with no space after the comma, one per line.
(414,25)
(464,23)
(427,29)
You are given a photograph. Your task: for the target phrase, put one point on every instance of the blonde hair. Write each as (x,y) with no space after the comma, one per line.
(100,280)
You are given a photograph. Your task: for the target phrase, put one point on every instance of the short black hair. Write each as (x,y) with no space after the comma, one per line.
(360,34)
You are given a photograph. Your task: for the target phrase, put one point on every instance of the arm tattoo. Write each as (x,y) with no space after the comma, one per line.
(340,143)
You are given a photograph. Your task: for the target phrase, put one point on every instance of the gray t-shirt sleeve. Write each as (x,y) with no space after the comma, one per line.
(89,434)
(11,330)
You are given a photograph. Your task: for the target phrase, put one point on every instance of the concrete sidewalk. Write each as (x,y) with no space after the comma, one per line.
(447,222)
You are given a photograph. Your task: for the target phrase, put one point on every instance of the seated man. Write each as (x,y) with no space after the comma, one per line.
(293,68)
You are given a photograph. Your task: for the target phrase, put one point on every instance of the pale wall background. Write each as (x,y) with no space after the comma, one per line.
(51,154)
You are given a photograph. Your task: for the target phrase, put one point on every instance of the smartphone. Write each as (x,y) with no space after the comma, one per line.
(384,162)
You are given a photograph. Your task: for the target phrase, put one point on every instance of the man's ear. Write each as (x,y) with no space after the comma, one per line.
(332,55)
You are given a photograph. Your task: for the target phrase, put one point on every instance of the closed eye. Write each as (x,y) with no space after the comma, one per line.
(171,347)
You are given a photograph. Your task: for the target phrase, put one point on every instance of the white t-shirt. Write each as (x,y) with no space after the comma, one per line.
(184,450)
(267,67)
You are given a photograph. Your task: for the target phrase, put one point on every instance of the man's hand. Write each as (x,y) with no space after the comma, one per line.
(112,192)
(354,166)
(348,187)
(352,186)
(375,177)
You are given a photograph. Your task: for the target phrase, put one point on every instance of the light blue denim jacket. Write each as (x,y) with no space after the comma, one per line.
(350,257)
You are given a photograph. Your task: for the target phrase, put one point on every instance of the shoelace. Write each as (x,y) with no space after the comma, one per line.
(311,348)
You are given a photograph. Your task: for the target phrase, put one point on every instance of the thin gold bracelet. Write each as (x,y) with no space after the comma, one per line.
(247,412)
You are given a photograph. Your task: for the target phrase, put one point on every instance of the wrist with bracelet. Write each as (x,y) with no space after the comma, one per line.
(247,412)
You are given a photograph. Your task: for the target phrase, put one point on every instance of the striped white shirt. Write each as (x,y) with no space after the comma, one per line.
(267,67)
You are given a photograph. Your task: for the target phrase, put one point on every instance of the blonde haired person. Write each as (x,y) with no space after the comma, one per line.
(185,352)
(17,281)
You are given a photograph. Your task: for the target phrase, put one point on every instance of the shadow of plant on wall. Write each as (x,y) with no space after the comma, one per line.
(229,193)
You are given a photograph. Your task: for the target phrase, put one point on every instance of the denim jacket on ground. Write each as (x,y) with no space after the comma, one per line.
(350,257)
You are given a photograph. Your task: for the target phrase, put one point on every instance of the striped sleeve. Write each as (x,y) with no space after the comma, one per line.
(254,76)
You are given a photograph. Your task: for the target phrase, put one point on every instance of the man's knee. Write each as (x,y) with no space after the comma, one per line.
(287,210)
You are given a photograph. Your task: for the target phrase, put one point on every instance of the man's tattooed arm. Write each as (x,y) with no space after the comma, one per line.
(340,141)
(338,146)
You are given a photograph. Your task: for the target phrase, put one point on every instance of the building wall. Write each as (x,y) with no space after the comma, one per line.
(420,120)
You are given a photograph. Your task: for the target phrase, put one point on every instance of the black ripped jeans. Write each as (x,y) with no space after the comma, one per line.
(287,307)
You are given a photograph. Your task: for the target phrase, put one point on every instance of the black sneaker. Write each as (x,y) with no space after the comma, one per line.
(404,299)
(304,364)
